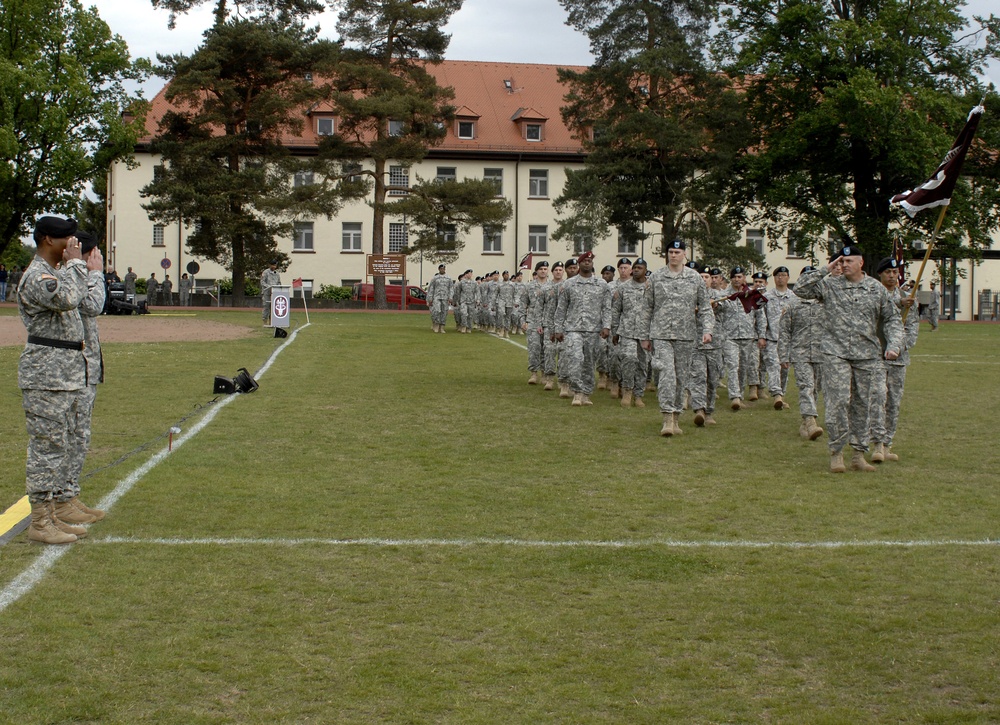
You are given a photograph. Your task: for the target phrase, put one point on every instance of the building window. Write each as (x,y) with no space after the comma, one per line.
(396,128)
(302,237)
(467,129)
(352,173)
(538,184)
(582,243)
(351,237)
(324,126)
(398,237)
(446,173)
(349,282)
(533,131)
(399,176)
(538,239)
(626,246)
(303,178)
(158,235)
(798,245)
(158,172)
(755,239)
(447,236)
(492,240)
(496,176)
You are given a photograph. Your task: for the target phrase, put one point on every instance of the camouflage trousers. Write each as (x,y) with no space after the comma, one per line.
(807,381)
(467,314)
(265,303)
(885,408)
(604,356)
(536,349)
(578,360)
(706,372)
(439,311)
(741,366)
(516,318)
(58,432)
(672,361)
(634,363)
(769,363)
(849,387)
(503,317)
(550,353)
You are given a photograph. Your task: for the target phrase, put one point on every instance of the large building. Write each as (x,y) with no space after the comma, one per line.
(508,128)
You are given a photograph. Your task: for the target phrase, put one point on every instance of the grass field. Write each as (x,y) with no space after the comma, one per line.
(396,528)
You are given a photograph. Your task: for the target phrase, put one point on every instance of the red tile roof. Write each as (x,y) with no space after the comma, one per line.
(534,93)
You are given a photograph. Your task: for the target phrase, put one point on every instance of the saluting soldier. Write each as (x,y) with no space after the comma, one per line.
(52,375)
(854,307)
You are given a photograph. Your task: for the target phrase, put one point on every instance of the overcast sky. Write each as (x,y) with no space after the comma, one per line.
(525,31)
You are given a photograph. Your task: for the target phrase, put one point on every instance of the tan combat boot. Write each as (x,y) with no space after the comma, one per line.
(43,529)
(779,403)
(98,514)
(813,428)
(878,453)
(602,381)
(550,383)
(533,380)
(564,391)
(585,399)
(889,455)
(627,399)
(676,423)
(577,399)
(668,425)
(736,404)
(858,462)
(804,428)
(77,531)
(638,402)
(70,514)
(699,418)
(709,420)
(753,394)
(837,462)
(614,389)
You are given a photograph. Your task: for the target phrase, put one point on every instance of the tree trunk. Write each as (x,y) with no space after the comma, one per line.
(378,231)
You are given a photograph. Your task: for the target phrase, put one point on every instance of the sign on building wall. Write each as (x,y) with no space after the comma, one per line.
(386,265)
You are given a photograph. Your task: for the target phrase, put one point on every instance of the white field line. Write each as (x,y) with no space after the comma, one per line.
(551,544)
(26,580)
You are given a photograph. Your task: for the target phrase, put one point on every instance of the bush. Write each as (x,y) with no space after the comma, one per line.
(332,292)
(250,288)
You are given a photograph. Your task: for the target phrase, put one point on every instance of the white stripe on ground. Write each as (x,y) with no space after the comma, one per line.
(26,580)
(553,544)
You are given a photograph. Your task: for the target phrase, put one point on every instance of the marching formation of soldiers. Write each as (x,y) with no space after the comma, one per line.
(684,328)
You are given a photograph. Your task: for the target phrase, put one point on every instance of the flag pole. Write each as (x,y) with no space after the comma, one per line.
(304,305)
(927,256)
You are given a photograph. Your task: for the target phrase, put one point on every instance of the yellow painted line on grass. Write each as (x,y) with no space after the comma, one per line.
(14,515)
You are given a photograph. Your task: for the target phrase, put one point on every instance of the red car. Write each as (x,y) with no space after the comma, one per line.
(415,297)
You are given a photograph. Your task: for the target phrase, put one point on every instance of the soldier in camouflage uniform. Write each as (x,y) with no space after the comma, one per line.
(482,316)
(517,314)
(934,307)
(268,279)
(52,375)
(438,292)
(800,346)
(706,360)
(669,329)
(583,320)
(468,301)
(152,287)
(455,300)
(885,412)
(533,304)
(741,344)
(769,324)
(505,305)
(854,307)
(551,305)
(550,348)
(628,299)
(604,350)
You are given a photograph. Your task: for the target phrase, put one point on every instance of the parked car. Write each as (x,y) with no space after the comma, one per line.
(415,297)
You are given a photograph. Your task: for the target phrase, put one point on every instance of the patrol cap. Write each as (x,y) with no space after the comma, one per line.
(585,255)
(55,227)
(624,260)
(641,261)
(571,262)
(779,270)
(736,270)
(607,268)
(887,263)
(759,275)
(87,241)
(677,244)
(543,263)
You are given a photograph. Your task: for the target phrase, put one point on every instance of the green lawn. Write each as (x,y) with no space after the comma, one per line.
(396,528)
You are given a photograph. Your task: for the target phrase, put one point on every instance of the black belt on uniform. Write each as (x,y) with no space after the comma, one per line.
(49,342)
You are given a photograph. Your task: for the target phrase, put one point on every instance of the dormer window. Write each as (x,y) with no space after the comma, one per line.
(465,123)
(396,128)
(533,131)
(467,129)
(324,126)
(531,123)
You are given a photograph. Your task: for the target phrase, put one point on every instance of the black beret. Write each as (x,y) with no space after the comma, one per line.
(571,261)
(607,268)
(558,264)
(677,244)
(55,227)
(692,265)
(87,241)
(539,265)
(715,272)
(759,275)
(641,261)
(736,270)
(887,263)
(624,260)
(807,268)
(779,270)
(850,251)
